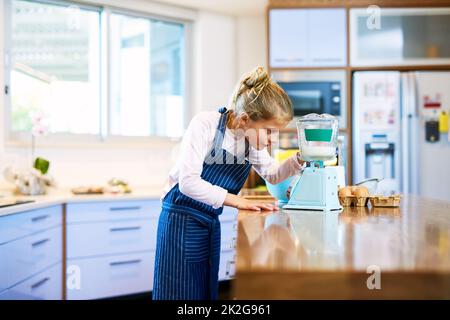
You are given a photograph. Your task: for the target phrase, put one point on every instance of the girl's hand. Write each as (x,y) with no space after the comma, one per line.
(251,205)
(299,159)
(244,204)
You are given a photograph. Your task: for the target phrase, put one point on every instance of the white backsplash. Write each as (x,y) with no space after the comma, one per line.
(146,167)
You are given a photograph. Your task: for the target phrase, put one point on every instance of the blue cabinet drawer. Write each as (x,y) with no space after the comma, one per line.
(4,295)
(22,258)
(111,276)
(112,210)
(46,285)
(228,214)
(113,237)
(227,265)
(227,235)
(4,281)
(22,224)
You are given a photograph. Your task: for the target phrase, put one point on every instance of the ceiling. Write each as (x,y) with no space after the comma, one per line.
(232,7)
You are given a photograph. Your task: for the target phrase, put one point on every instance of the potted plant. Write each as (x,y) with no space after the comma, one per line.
(34,180)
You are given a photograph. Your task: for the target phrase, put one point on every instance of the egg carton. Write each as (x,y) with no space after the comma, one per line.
(380,201)
(354,201)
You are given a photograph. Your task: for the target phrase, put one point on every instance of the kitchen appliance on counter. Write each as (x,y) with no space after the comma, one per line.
(392,140)
(317,187)
(315,92)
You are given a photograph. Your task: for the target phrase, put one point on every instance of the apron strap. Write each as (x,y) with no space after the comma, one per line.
(200,216)
(220,130)
(223,110)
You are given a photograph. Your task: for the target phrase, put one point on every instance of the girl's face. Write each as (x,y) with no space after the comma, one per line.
(260,134)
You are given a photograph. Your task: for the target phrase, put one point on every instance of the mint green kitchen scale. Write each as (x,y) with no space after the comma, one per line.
(317,187)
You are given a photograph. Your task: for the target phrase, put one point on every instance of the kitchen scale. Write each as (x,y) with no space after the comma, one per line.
(317,187)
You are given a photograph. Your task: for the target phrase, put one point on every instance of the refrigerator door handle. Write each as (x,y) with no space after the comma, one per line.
(413,142)
(404,124)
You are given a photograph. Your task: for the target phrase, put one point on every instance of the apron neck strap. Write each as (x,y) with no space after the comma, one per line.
(221,127)
(220,132)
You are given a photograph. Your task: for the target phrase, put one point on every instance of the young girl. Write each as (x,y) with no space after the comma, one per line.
(218,150)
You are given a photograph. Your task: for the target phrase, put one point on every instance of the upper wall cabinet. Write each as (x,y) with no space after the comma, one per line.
(307,38)
(407,36)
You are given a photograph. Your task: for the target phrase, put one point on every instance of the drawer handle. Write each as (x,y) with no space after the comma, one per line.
(125,208)
(118,263)
(326,59)
(39,283)
(124,229)
(39,218)
(233,243)
(39,243)
(230,264)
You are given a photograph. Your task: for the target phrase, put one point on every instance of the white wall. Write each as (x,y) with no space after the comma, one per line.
(215,60)
(251,43)
(224,47)
(78,166)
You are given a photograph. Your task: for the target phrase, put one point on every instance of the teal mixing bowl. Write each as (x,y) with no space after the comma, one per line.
(279,190)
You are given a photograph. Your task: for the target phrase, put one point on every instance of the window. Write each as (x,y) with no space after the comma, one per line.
(55,67)
(147,77)
(57,52)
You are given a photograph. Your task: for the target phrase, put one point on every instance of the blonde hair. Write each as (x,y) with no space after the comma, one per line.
(261,98)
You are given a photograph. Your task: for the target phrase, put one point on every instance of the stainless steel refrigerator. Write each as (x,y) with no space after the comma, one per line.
(399,133)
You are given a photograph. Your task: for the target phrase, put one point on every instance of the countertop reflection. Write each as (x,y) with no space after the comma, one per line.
(414,237)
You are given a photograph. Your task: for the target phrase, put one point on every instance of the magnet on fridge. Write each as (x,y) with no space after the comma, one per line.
(443,122)
(432,131)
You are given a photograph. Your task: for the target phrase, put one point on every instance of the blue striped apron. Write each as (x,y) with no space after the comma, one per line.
(188,236)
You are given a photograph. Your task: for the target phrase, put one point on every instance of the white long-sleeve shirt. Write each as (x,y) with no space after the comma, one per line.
(196,145)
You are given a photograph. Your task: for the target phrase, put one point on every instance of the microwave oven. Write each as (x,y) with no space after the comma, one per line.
(314,96)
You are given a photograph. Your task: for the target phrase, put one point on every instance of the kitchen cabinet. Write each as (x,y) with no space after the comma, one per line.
(103,238)
(112,210)
(46,285)
(110,249)
(4,266)
(30,242)
(19,225)
(227,264)
(29,255)
(228,235)
(399,36)
(307,38)
(4,295)
(228,221)
(288,37)
(113,275)
(113,244)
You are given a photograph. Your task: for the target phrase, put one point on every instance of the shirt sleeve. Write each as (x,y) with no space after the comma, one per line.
(270,170)
(196,144)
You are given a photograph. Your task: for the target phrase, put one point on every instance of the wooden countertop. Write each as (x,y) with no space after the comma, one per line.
(310,255)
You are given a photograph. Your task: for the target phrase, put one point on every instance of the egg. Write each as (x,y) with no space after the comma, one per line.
(345,192)
(361,192)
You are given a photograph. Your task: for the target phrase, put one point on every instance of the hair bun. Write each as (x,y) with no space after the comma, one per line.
(261,98)
(256,79)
